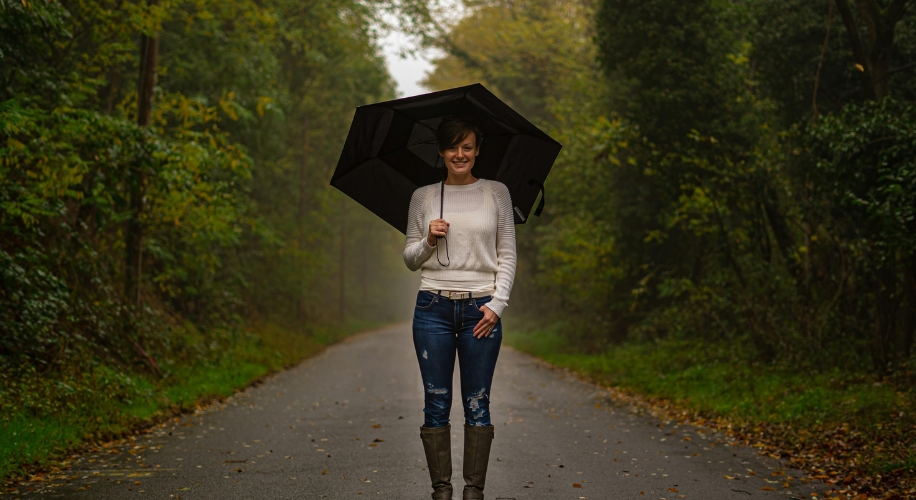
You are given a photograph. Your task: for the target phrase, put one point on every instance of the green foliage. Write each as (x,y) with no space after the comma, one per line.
(867,170)
(722,179)
(239,227)
(34,301)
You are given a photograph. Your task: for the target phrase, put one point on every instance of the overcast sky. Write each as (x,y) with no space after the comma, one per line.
(406,72)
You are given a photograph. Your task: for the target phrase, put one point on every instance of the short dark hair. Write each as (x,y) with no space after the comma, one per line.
(453,129)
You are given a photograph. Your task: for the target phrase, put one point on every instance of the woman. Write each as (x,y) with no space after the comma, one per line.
(460,233)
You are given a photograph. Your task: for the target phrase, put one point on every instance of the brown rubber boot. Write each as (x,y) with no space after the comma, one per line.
(437,442)
(477,442)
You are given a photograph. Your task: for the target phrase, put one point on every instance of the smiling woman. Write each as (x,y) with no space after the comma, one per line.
(460,301)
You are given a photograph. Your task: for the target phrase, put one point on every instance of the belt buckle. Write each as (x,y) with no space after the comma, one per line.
(458,295)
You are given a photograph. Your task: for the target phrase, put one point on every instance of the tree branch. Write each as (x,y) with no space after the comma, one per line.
(895,12)
(870,11)
(820,62)
(895,70)
(858,52)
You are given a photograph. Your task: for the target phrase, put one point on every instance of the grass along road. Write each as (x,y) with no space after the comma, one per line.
(47,416)
(855,432)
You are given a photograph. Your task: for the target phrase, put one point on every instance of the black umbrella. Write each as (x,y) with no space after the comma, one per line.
(391,151)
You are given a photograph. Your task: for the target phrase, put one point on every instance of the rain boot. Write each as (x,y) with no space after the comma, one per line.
(437,442)
(477,440)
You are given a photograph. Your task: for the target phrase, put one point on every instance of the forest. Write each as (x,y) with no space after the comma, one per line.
(737,188)
(166,226)
(730,225)
(738,171)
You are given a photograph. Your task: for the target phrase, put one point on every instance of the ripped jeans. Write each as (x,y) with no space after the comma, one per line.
(442,328)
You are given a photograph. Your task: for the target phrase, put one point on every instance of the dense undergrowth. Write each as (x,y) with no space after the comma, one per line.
(847,421)
(45,415)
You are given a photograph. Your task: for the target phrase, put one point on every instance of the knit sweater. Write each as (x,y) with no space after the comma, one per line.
(480,240)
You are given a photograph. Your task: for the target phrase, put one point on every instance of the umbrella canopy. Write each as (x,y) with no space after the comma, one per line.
(391,151)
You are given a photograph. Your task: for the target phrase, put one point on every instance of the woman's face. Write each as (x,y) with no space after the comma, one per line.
(459,159)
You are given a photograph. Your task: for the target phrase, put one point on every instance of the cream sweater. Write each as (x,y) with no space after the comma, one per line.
(481,240)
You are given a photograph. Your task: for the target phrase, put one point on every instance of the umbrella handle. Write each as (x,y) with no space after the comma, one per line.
(538,184)
(448,259)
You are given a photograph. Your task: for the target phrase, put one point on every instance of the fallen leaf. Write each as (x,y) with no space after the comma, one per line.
(324,471)
(577,485)
(767,488)
(376,426)
(138,483)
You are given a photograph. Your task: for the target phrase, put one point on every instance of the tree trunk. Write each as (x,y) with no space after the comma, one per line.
(365,245)
(303,209)
(858,51)
(342,276)
(149,59)
(886,307)
(874,68)
(908,319)
(880,24)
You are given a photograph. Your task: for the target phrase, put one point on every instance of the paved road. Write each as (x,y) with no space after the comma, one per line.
(345,425)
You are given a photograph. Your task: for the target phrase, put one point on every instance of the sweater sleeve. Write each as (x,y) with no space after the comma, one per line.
(416,249)
(505,250)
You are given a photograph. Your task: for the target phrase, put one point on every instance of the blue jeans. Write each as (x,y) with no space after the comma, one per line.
(442,328)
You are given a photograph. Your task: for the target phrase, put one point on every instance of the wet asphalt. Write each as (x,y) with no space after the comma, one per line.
(345,424)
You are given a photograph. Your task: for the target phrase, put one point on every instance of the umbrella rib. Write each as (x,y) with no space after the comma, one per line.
(466,92)
(414,120)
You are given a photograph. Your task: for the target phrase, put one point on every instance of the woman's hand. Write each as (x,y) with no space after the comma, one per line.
(437,228)
(486,325)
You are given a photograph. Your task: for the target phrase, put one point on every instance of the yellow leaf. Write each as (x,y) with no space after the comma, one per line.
(860,67)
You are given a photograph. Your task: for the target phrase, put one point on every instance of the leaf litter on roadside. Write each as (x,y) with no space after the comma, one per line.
(854,463)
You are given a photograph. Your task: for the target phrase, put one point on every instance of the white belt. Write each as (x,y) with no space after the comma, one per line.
(462,295)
